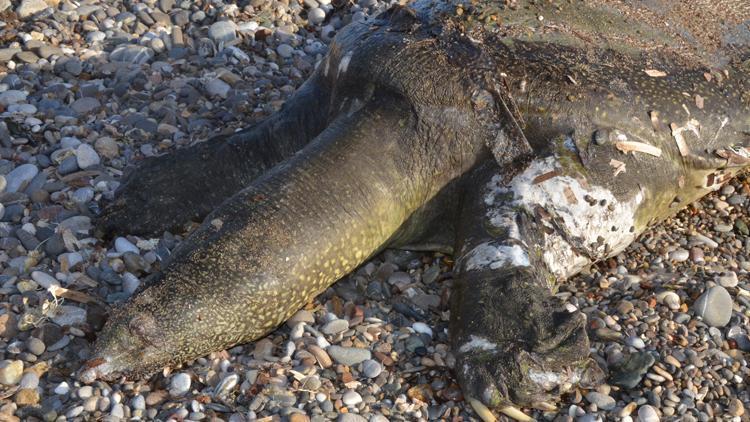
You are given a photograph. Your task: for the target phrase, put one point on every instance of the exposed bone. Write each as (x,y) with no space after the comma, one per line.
(693,126)
(619,166)
(633,146)
(484,413)
(654,73)
(515,413)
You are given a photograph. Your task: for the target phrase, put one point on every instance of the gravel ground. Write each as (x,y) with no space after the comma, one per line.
(87,88)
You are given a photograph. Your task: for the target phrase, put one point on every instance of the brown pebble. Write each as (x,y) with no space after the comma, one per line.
(8,327)
(155,397)
(736,408)
(27,397)
(672,361)
(298,417)
(320,355)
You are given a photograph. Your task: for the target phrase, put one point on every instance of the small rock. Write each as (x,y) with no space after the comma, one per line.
(679,255)
(714,306)
(602,401)
(130,53)
(324,360)
(630,371)
(62,389)
(12,96)
(226,385)
(86,156)
(285,50)
(28,8)
(351,398)
(11,372)
(45,280)
(65,315)
(348,355)
(736,408)
(29,380)
(334,327)
(647,414)
(422,328)
(19,178)
(8,327)
(222,31)
(218,88)
(350,417)
(27,397)
(728,279)
(316,16)
(123,245)
(35,346)
(180,384)
(107,147)
(85,105)
(301,316)
(371,368)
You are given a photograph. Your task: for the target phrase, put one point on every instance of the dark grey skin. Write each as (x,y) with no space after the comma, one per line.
(430,114)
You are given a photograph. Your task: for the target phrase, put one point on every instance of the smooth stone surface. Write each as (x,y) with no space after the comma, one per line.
(679,255)
(28,8)
(334,327)
(68,315)
(630,371)
(86,156)
(20,176)
(647,413)
(371,368)
(351,398)
(129,53)
(602,401)
(179,384)
(714,306)
(222,31)
(11,372)
(85,105)
(218,88)
(348,355)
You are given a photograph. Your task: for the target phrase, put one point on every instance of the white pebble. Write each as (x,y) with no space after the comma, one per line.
(422,328)
(62,389)
(180,384)
(87,156)
(43,279)
(351,398)
(647,414)
(123,245)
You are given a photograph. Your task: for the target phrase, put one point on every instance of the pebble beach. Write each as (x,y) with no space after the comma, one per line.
(89,88)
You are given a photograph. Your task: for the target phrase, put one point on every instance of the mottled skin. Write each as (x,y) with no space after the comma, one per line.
(502,123)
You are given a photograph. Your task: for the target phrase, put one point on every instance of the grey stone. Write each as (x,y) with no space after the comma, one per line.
(218,88)
(630,371)
(222,31)
(714,306)
(20,177)
(131,53)
(179,384)
(348,355)
(85,105)
(12,96)
(7,54)
(28,8)
(316,16)
(371,368)
(602,401)
(334,327)
(285,50)
(86,156)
